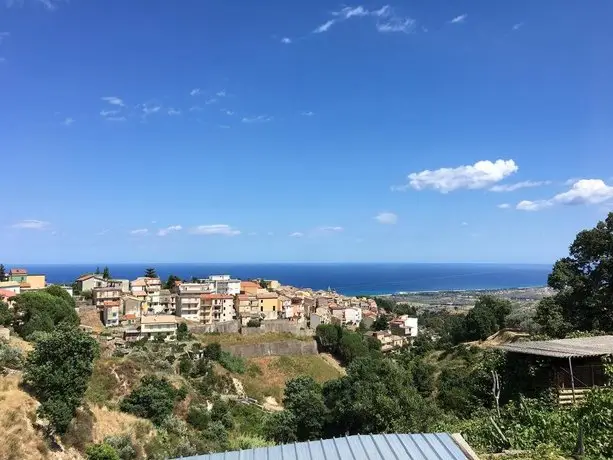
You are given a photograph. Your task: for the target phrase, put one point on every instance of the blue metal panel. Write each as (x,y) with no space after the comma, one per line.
(429,446)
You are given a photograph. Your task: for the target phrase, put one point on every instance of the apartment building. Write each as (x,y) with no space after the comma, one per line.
(249,287)
(247,307)
(156,325)
(221,284)
(103,294)
(404,326)
(168,302)
(90,281)
(13,286)
(188,300)
(216,308)
(110,311)
(268,303)
(123,284)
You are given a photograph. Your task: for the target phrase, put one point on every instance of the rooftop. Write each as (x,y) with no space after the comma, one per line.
(564,348)
(6,293)
(216,296)
(431,446)
(5,284)
(158,319)
(18,271)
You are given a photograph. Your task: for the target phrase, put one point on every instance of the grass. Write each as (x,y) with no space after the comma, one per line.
(266,376)
(239,339)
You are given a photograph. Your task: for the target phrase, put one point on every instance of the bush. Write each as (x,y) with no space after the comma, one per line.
(153,399)
(101,452)
(10,358)
(123,445)
(212,351)
(253,323)
(6,315)
(42,311)
(198,417)
(233,363)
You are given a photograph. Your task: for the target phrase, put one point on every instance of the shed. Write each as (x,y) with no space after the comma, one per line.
(576,364)
(429,446)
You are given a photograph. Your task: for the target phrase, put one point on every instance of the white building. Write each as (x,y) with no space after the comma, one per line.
(404,325)
(12,286)
(353,315)
(222,284)
(111,312)
(152,326)
(188,302)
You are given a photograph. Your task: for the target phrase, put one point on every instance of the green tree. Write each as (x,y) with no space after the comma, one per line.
(377,396)
(97,272)
(101,451)
(2,273)
(106,274)
(328,336)
(182,332)
(58,371)
(303,397)
(212,351)
(42,311)
(281,427)
(150,273)
(170,282)
(487,317)
(59,291)
(385,303)
(550,318)
(153,399)
(123,445)
(351,346)
(6,316)
(380,324)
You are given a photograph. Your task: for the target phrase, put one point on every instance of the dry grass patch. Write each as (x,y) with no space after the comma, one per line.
(266,376)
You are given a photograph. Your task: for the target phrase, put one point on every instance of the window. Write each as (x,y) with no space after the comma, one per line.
(261,308)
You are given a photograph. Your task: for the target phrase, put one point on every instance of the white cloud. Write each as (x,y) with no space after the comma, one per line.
(518,185)
(195,92)
(31,224)
(584,191)
(257,119)
(195,108)
(464,224)
(4,35)
(109,113)
(139,231)
(517,26)
(326,229)
(397,24)
(270,233)
(68,121)
(504,206)
(297,235)
(227,112)
(102,232)
(388,218)
(480,175)
(215,229)
(173,112)
(286,40)
(324,27)
(113,100)
(116,118)
(167,230)
(459,19)
(221,93)
(211,101)
(308,113)
(224,126)
(150,109)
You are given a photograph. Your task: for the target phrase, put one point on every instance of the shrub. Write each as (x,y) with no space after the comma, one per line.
(11,358)
(101,452)
(123,445)
(153,399)
(253,323)
(233,363)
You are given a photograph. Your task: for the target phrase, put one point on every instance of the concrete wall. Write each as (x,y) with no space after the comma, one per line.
(279,325)
(227,327)
(285,348)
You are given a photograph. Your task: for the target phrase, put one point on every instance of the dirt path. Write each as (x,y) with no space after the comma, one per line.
(332,361)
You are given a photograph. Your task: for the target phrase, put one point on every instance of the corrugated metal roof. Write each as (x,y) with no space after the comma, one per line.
(564,348)
(431,446)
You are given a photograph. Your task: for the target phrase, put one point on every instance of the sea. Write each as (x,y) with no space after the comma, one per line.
(348,279)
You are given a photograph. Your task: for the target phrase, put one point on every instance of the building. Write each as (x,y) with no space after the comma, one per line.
(423,446)
(110,311)
(404,325)
(273,284)
(90,281)
(7,296)
(286,307)
(124,285)
(247,307)
(33,282)
(132,305)
(268,303)
(222,284)
(18,275)
(158,325)
(249,287)
(215,308)
(68,289)
(570,367)
(168,302)
(353,315)
(188,300)
(388,340)
(100,295)
(13,286)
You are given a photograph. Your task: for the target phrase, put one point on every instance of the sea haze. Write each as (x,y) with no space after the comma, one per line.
(349,279)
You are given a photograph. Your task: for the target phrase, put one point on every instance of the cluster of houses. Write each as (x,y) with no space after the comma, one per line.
(146,307)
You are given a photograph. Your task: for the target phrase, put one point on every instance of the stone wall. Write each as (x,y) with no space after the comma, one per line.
(284,348)
(227,327)
(279,325)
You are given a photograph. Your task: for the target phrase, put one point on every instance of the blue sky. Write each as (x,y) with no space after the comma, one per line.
(242,131)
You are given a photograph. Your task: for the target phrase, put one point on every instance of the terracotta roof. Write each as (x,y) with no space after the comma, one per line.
(24,285)
(139,282)
(249,284)
(111,303)
(5,293)
(178,282)
(267,295)
(158,319)
(18,271)
(87,276)
(215,296)
(139,294)
(128,316)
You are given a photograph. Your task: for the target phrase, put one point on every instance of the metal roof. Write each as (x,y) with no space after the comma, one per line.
(431,446)
(564,348)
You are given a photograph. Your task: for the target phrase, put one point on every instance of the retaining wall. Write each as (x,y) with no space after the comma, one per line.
(284,348)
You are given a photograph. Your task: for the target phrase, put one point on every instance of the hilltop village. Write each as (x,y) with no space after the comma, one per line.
(148,307)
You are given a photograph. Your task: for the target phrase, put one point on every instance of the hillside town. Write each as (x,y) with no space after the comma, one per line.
(146,307)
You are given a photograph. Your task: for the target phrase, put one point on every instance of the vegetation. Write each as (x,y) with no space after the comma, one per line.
(58,371)
(102,451)
(150,273)
(345,344)
(2,273)
(153,399)
(106,274)
(6,316)
(170,282)
(44,311)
